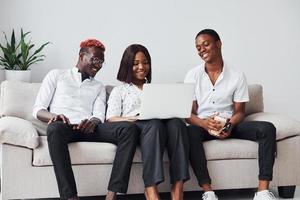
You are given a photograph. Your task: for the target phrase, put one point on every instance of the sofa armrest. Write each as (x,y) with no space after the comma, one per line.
(17,131)
(41,127)
(285,126)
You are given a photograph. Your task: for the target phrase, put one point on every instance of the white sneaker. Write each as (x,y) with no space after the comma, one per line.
(210,195)
(264,195)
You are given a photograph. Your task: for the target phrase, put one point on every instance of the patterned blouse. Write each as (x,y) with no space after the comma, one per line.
(124,101)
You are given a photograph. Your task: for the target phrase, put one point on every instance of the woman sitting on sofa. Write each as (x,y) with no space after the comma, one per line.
(124,104)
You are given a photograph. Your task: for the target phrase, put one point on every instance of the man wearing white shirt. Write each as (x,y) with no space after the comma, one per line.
(73,104)
(218,113)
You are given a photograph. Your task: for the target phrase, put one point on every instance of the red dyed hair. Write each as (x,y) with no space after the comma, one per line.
(92,43)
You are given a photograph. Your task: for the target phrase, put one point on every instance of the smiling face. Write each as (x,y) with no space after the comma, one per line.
(140,68)
(208,48)
(91,61)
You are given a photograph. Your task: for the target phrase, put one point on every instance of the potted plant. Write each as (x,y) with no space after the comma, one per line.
(18,57)
(9,58)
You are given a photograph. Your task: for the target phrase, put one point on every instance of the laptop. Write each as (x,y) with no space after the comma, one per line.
(163,101)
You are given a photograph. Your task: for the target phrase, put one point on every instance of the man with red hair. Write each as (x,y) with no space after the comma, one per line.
(73,104)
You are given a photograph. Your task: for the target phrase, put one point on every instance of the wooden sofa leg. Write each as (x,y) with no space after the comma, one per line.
(286,191)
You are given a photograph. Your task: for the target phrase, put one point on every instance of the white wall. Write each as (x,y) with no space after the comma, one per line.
(262,38)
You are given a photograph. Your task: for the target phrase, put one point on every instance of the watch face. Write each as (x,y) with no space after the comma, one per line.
(227,127)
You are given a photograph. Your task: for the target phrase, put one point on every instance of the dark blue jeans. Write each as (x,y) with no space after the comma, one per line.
(262,132)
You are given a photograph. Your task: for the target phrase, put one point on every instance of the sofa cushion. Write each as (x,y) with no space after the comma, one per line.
(103,153)
(17,99)
(18,131)
(285,126)
(255,103)
(230,149)
(82,153)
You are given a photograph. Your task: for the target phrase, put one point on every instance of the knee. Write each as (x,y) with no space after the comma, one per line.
(130,129)
(175,123)
(176,127)
(155,124)
(56,130)
(154,130)
(268,130)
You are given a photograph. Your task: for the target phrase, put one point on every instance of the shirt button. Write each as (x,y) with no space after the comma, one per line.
(213,89)
(213,102)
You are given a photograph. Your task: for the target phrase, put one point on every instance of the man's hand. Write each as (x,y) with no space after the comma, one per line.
(224,135)
(60,117)
(211,124)
(226,131)
(87,126)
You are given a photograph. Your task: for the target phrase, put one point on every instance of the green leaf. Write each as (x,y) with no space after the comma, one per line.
(13,40)
(41,48)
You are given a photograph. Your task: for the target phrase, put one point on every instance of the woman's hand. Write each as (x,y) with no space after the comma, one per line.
(120,119)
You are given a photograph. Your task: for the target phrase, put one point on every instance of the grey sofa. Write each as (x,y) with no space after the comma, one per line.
(27,172)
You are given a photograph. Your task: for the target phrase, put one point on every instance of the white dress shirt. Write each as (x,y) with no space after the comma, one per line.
(231,86)
(124,101)
(64,92)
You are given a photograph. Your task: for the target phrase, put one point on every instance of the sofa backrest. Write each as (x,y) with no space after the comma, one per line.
(17,99)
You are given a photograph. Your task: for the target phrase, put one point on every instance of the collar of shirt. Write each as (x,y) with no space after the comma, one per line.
(220,77)
(135,87)
(78,75)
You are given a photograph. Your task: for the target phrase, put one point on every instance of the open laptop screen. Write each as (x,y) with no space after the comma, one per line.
(163,101)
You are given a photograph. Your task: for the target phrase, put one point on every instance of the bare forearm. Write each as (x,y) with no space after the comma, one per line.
(45,115)
(194,120)
(119,119)
(237,118)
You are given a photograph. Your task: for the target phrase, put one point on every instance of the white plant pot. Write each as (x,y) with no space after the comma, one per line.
(18,75)
(2,75)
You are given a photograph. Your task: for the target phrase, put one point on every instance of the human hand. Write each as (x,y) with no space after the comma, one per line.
(60,117)
(131,119)
(86,126)
(226,130)
(212,125)
(223,135)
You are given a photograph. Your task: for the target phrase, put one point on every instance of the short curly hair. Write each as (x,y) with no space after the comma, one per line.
(209,32)
(84,45)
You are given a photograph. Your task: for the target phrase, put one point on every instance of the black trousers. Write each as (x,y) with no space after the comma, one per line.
(123,134)
(155,135)
(263,132)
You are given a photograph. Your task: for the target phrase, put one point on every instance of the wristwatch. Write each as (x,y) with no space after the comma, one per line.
(227,127)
